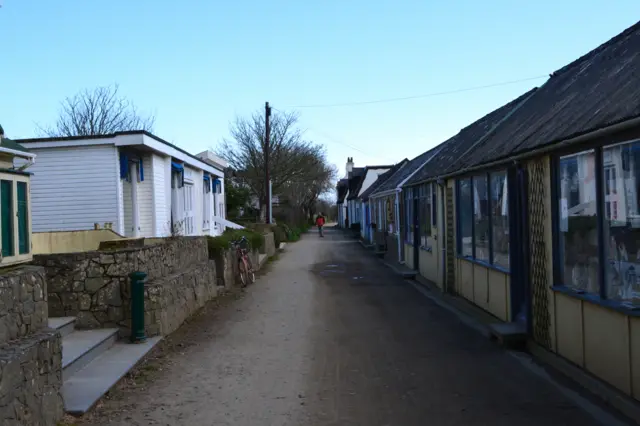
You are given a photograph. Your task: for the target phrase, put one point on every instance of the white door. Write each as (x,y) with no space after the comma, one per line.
(188,213)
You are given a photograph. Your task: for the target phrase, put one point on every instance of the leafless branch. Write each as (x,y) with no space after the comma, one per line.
(99,111)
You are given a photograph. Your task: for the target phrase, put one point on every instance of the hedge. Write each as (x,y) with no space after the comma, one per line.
(223,242)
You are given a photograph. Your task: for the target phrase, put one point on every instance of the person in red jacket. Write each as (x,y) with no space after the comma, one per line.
(320,224)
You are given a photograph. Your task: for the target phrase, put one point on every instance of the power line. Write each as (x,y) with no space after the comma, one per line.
(427,95)
(340,142)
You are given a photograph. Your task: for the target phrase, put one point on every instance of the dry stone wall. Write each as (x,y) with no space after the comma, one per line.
(30,353)
(30,387)
(23,304)
(92,286)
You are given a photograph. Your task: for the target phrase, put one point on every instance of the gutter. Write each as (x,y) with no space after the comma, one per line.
(398,188)
(21,154)
(549,148)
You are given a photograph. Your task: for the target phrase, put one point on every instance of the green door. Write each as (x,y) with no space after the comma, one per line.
(23,222)
(6,217)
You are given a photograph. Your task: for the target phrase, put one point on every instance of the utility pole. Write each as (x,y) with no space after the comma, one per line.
(267,178)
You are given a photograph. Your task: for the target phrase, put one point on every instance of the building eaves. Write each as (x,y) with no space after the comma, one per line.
(382,179)
(596,91)
(467,139)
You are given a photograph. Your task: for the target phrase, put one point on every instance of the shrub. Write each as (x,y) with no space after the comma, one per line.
(221,243)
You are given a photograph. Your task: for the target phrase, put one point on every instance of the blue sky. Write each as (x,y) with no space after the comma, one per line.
(197,64)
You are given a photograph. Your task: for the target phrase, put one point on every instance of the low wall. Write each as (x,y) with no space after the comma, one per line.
(70,241)
(30,353)
(170,301)
(227,267)
(31,371)
(92,286)
(23,303)
(269,246)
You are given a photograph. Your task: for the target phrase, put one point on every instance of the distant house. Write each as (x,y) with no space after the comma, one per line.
(135,182)
(359,184)
(15,202)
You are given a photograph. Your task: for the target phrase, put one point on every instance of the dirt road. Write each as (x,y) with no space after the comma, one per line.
(331,337)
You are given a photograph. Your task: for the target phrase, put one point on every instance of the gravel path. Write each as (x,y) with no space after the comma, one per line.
(329,336)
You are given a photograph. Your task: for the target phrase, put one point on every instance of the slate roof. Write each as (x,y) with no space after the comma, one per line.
(382,179)
(355,181)
(405,171)
(342,190)
(595,91)
(454,148)
(354,194)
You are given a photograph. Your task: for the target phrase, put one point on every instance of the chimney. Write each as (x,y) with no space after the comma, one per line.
(349,165)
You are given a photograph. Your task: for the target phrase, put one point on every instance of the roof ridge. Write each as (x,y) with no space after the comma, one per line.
(595,52)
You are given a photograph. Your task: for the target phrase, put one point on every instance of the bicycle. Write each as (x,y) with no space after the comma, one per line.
(245,267)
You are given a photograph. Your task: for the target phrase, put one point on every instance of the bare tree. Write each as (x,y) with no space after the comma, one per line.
(99,111)
(293,160)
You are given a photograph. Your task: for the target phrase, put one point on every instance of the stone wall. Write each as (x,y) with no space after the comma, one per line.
(23,304)
(30,353)
(31,380)
(269,246)
(170,301)
(93,286)
(227,267)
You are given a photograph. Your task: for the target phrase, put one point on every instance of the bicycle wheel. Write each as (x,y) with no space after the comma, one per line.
(250,273)
(242,274)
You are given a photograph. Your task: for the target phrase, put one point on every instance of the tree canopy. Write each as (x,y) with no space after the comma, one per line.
(99,111)
(299,170)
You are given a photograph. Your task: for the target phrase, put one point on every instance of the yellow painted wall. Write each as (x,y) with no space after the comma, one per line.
(70,241)
(602,341)
(429,263)
(635,356)
(408,255)
(484,287)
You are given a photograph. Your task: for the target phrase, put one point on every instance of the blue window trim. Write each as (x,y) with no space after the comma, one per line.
(489,264)
(624,308)
(485,264)
(125,166)
(559,286)
(178,168)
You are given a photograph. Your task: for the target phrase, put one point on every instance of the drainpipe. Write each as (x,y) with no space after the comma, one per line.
(135,212)
(399,237)
(443,241)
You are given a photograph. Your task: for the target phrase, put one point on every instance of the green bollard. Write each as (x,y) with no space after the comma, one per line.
(137,306)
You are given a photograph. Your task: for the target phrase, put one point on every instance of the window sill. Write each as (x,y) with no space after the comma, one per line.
(485,264)
(626,309)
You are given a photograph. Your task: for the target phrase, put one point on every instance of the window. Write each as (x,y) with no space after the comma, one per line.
(482,210)
(622,222)
(578,233)
(481,222)
(500,219)
(424,212)
(408,209)
(465,218)
(15,218)
(6,200)
(434,205)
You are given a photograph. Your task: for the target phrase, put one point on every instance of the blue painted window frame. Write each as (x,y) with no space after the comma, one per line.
(601,298)
(490,264)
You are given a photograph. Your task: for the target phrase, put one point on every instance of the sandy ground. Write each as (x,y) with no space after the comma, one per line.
(329,336)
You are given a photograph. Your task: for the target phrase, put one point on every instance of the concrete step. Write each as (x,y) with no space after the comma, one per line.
(65,325)
(82,390)
(511,335)
(80,347)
